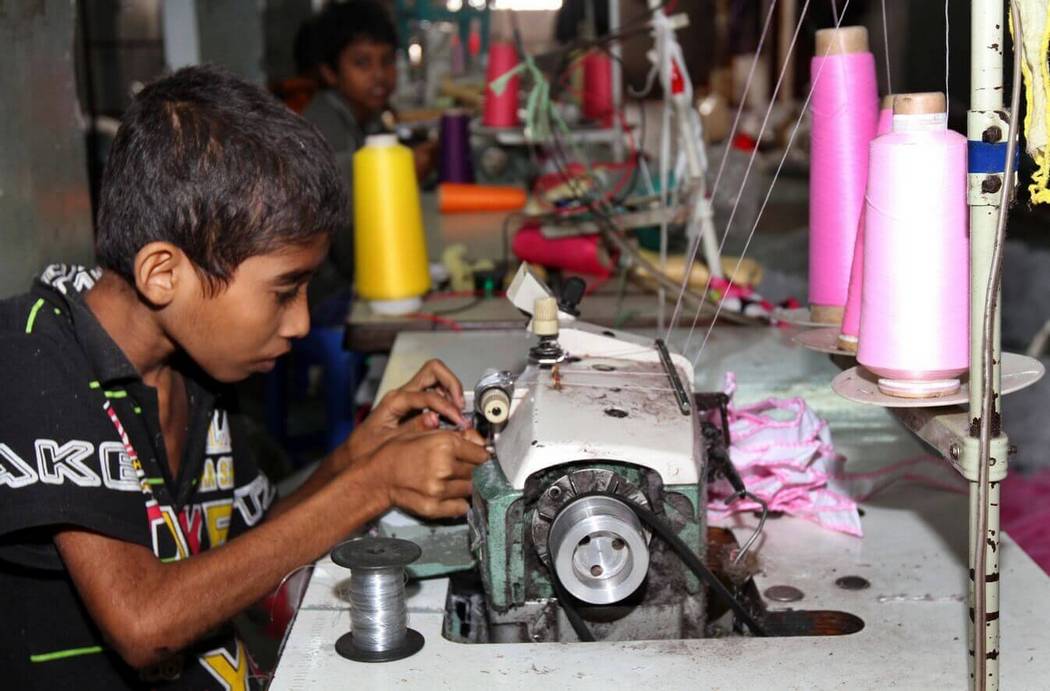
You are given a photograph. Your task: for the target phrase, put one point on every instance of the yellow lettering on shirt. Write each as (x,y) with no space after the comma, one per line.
(232,673)
(217,519)
(224,470)
(208,476)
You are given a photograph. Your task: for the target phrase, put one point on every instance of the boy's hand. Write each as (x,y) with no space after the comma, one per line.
(435,390)
(429,473)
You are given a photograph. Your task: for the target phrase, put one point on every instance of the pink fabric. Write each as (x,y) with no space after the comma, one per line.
(1025,514)
(784,455)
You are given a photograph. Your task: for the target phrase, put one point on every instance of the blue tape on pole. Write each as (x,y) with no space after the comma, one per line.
(989,158)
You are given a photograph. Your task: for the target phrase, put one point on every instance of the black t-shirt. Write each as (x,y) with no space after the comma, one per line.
(73,415)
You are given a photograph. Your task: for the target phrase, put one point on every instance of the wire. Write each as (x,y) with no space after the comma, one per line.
(695,564)
(722,165)
(571,613)
(769,192)
(458,309)
(947,48)
(436,320)
(688,557)
(747,175)
(886,43)
(988,372)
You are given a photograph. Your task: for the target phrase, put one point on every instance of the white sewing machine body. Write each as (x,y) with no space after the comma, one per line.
(609,400)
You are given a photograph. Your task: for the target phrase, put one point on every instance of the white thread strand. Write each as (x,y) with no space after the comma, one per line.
(947,55)
(886,48)
(378,615)
(835,12)
(769,192)
(695,246)
(747,174)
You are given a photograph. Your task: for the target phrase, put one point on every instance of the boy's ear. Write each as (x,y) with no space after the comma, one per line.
(159,267)
(329,75)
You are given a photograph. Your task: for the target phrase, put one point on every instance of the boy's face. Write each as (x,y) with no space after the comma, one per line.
(244,328)
(366,76)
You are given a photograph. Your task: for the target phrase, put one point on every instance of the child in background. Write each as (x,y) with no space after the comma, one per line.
(356,43)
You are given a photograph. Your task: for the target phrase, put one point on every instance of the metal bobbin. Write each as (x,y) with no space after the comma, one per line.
(369,557)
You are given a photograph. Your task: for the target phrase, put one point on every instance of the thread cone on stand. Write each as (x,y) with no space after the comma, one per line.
(845,110)
(848,338)
(454,162)
(582,254)
(462,198)
(597,88)
(389,242)
(914,319)
(501,110)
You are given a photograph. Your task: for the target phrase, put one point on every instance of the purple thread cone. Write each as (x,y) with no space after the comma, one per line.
(455,163)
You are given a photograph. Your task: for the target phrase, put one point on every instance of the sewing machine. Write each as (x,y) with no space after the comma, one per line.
(597,422)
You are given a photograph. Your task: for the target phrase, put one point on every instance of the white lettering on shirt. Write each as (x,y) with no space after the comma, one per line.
(54,462)
(253,499)
(117,471)
(14,472)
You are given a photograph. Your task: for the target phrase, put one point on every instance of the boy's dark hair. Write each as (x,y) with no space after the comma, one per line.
(218,167)
(340,24)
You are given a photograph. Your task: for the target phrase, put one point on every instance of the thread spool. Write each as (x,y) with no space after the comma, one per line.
(389,242)
(844,109)
(378,617)
(501,110)
(847,339)
(455,163)
(583,254)
(597,88)
(914,319)
(455,197)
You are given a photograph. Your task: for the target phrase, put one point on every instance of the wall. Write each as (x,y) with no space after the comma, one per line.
(45,211)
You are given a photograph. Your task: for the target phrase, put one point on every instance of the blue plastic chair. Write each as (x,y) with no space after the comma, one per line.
(342,371)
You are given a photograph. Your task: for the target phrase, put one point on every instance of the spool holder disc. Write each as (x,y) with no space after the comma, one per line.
(412,644)
(825,340)
(374,553)
(860,386)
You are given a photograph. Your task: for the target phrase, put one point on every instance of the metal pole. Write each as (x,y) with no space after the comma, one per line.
(616,74)
(984,124)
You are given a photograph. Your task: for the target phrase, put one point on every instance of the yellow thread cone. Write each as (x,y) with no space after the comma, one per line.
(389,242)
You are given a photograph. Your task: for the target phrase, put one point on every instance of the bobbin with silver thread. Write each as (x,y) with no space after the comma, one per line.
(377,596)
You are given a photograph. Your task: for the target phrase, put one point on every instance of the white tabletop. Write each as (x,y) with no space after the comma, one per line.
(913,554)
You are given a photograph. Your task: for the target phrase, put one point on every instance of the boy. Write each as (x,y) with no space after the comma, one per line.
(133,524)
(356,43)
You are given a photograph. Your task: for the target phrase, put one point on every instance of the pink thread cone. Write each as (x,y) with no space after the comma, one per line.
(851,317)
(845,109)
(501,110)
(915,310)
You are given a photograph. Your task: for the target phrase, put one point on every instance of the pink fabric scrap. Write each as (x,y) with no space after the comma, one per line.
(1025,516)
(784,454)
